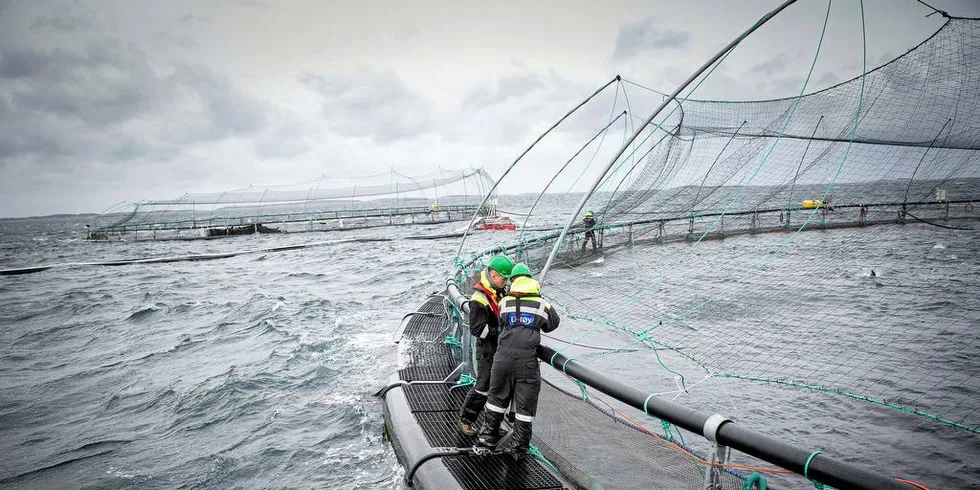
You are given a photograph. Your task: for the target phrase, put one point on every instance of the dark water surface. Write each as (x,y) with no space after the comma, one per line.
(254,371)
(257,371)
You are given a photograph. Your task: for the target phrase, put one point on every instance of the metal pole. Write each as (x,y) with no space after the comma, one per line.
(705,66)
(697,196)
(562,169)
(789,203)
(912,177)
(512,165)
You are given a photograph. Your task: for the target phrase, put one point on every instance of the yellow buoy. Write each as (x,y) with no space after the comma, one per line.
(811,204)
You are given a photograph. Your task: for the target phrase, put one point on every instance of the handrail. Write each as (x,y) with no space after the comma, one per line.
(688,216)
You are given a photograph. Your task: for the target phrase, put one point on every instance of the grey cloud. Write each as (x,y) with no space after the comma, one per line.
(106,101)
(230,112)
(285,142)
(133,149)
(22,63)
(181,40)
(16,143)
(826,80)
(103,85)
(62,23)
(635,38)
(180,32)
(771,66)
(789,86)
(377,105)
(190,18)
(48,141)
(250,3)
(507,87)
(540,98)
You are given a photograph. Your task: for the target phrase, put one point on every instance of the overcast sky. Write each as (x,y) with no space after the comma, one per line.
(108,101)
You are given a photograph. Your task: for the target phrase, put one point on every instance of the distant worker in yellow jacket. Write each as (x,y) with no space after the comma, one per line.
(589,221)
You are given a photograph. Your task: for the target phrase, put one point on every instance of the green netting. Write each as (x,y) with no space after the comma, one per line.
(790,259)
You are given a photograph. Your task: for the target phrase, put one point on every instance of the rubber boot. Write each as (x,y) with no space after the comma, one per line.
(490,432)
(466,427)
(472,406)
(509,417)
(522,439)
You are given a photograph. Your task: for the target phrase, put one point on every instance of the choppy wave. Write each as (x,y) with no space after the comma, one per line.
(253,371)
(257,371)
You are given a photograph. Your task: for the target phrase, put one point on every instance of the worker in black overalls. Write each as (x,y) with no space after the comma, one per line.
(524,314)
(589,222)
(483,324)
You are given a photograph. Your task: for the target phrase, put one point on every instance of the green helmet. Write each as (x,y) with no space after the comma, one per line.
(519,270)
(502,264)
(589,212)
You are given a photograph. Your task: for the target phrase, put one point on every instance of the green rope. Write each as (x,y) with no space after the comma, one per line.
(644,337)
(533,451)
(667,432)
(666,426)
(453,342)
(581,387)
(641,337)
(756,480)
(806,469)
(647,400)
(465,380)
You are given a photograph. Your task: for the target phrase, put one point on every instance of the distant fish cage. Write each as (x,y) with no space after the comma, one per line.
(395,199)
(194,229)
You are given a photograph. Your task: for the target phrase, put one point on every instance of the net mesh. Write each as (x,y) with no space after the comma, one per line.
(780,260)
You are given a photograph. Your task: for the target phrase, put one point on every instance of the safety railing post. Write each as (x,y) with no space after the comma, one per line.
(712,476)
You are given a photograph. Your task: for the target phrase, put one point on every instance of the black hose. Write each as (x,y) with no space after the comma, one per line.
(384,391)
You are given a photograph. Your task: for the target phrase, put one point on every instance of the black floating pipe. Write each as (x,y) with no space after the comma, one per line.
(823,469)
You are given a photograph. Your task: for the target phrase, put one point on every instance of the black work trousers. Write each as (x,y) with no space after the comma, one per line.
(476,398)
(516,376)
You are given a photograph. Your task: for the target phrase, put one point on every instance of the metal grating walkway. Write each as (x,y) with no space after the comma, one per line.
(436,354)
(441,431)
(434,398)
(425,373)
(500,471)
(423,327)
(436,407)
